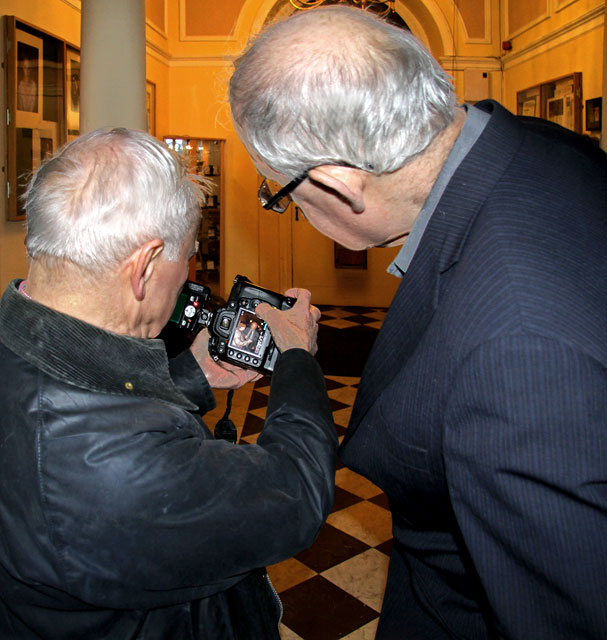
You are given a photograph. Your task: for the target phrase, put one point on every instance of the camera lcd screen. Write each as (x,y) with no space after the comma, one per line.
(249,334)
(179,307)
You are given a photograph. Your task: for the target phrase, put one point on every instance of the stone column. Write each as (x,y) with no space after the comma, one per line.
(112,66)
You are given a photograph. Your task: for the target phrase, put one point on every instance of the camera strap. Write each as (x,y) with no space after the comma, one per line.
(225,428)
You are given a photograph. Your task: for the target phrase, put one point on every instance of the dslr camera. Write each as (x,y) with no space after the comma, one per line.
(237,334)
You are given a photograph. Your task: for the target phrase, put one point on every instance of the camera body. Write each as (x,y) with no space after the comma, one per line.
(237,334)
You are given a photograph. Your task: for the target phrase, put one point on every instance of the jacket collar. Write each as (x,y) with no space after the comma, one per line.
(419,293)
(85,356)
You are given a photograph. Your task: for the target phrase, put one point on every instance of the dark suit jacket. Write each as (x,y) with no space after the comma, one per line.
(482,411)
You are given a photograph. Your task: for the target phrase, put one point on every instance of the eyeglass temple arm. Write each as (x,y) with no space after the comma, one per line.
(285,191)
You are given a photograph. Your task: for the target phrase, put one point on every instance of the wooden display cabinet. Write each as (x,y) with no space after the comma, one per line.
(558,100)
(205,157)
(42,74)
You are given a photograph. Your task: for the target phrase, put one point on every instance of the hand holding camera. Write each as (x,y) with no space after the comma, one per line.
(296,328)
(239,336)
(220,375)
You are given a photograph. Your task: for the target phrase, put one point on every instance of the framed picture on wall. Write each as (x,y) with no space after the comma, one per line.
(528,102)
(36,92)
(29,78)
(150,106)
(349,259)
(594,112)
(72,102)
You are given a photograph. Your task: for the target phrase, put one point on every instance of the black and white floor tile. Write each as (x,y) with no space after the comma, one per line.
(334,589)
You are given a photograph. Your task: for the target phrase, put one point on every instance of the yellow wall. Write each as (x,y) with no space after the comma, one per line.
(62,20)
(189,62)
(560,38)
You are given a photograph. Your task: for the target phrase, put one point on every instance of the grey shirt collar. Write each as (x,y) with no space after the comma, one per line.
(476,120)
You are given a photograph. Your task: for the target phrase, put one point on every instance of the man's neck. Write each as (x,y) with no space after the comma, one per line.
(68,289)
(405,191)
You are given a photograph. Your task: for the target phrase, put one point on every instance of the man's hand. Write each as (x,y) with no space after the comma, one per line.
(295,328)
(220,375)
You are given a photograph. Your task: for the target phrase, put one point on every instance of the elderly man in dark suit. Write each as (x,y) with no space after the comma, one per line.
(482,411)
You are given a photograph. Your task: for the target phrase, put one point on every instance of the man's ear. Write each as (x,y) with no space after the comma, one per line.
(347,182)
(142,263)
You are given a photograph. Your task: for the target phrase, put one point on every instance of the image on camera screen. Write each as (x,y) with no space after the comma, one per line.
(249,334)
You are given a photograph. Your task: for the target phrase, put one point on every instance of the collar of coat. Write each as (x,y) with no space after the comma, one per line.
(85,356)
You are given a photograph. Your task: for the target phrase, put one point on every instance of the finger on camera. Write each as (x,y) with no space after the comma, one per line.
(303,296)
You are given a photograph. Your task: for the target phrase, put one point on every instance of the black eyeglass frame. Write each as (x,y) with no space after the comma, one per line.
(272,203)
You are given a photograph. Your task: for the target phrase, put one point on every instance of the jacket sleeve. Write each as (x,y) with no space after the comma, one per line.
(525,452)
(162,513)
(191,381)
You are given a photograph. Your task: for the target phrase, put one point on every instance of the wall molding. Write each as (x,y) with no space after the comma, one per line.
(157,28)
(563,34)
(156,52)
(534,21)
(487,38)
(74,4)
(461,63)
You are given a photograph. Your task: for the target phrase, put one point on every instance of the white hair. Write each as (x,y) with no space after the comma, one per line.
(337,85)
(105,194)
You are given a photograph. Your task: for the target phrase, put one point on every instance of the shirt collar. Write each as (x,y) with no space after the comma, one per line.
(85,356)
(476,120)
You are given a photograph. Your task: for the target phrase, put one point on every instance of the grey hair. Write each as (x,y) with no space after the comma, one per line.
(338,86)
(105,194)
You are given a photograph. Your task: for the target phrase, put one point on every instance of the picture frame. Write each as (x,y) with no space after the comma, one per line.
(29,78)
(528,102)
(37,104)
(530,107)
(150,106)
(594,114)
(349,259)
(72,94)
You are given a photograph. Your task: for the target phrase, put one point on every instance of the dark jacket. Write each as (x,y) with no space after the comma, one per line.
(482,412)
(120,515)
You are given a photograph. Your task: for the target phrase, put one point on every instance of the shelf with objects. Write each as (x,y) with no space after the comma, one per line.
(205,158)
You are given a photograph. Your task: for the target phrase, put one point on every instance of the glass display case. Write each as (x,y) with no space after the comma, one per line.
(558,100)
(42,81)
(205,158)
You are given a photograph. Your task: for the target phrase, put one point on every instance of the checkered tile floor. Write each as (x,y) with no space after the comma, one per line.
(334,589)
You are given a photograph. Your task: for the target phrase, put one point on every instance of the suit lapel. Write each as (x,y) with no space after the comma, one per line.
(417,297)
(406,321)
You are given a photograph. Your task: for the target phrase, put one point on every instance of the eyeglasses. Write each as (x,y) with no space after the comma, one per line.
(280,200)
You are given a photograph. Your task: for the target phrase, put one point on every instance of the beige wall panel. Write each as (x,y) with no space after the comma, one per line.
(210,17)
(155,13)
(524,13)
(473,15)
(63,20)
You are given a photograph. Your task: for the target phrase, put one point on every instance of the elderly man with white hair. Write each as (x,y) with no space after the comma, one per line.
(121,515)
(482,410)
